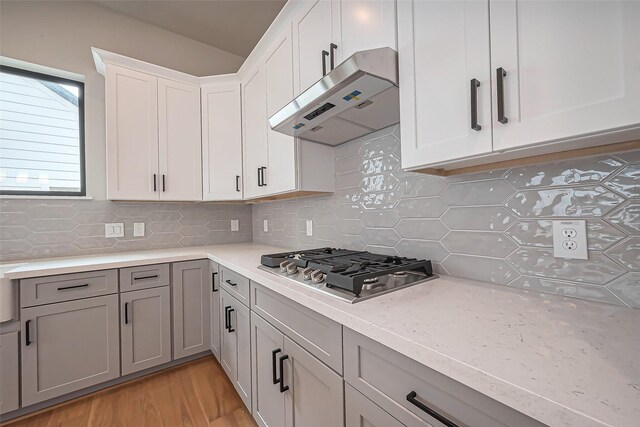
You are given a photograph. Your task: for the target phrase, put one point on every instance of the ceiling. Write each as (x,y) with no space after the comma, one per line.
(234,26)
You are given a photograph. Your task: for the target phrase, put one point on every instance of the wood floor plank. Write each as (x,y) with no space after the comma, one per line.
(195,394)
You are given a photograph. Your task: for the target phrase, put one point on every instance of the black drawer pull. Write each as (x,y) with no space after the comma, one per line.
(475,84)
(155,276)
(259,177)
(126,313)
(238,183)
(213,282)
(27,332)
(226,317)
(64,288)
(283,387)
(276,380)
(230,282)
(501,73)
(230,326)
(324,62)
(412,398)
(164,184)
(155,180)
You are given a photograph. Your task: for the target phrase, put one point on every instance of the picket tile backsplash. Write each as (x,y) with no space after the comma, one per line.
(491,226)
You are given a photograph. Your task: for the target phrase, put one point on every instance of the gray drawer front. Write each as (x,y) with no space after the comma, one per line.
(319,335)
(67,287)
(236,284)
(144,277)
(387,377)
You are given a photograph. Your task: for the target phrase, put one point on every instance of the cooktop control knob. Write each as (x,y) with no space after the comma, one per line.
(283,266)
(306,273)
(292,268)
(317,276)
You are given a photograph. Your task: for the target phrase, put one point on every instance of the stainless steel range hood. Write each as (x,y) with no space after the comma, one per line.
(356,98)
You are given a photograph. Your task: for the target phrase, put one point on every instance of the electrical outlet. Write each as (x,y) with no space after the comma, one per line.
(138,229)
(114,229)
(234,225)
(570,239)
(309,227)
(266,226)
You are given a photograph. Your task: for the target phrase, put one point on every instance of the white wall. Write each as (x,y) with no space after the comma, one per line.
(59,34)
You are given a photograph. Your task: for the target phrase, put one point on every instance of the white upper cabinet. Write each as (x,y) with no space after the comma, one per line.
(221,141)
(132,134)
(254,123)
(366,24)
(179,141)
(445,80)
(572,69)
(315,28)
(280,175)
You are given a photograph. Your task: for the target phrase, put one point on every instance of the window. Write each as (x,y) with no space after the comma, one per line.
(41,134)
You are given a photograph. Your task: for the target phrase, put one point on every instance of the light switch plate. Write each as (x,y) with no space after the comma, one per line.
(234,225)
(309,227)
(265,226)
(114,229)
(570,239)
(138,229)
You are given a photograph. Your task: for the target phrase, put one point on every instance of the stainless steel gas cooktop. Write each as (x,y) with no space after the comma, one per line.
(352,276)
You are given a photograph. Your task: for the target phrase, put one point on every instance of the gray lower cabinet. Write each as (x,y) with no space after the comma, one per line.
(315,394)
(191,304)
(9,370)
(360,411)
(267,345)
(145,332)
(236,344)
(68,346)
(215,310)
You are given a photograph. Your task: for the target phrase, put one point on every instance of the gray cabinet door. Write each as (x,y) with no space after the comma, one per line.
(267,346)
(69,346)
(215,310)
(9,382)
(361,412)
(145,327)
(315,397)
(236,345)
(191,325)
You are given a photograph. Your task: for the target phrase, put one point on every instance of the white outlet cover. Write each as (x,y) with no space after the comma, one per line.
(570,239)
(138,229)
(114,229)
(309,227)
(234,225)
(266,226)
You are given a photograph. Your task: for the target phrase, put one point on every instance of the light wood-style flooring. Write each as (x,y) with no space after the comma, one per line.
(195,394)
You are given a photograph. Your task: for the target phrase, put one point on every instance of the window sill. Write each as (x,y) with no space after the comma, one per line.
(25,197)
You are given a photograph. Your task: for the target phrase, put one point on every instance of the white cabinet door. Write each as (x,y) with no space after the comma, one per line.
(132,134)
(443,46)
(571,69)
(254,122)
(179,141)
(280,176)
(314,29)
(221,142)
(367,24)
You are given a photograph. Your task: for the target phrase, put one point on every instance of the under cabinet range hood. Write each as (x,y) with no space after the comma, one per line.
(358,97)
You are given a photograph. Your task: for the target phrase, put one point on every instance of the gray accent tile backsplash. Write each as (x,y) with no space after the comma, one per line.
(54,228)
(491,226)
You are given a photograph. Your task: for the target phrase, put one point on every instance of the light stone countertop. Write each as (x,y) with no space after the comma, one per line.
(562,361)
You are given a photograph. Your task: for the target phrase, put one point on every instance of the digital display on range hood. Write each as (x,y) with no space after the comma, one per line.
(318,111)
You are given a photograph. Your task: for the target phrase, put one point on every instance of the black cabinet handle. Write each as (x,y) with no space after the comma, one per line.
(145,277)
(226,317)
(283,387)
(412,398)
(332,59)
(262,169)
(27,332)
(276,380)
(213,282)
(501,73)
(230,325)
(64,288)
(324,62)
(164,184)
(155,180)
(238,183)
(230,282)
(475,84)
(259,179)
(126,313)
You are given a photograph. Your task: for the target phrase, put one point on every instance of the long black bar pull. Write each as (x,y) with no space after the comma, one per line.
(412,398)
(276,380)
(64,288)
(324,62)
(213,282)
(155,182)
(226,317)
(501,73)
(332,57)
(126,313)
(27,332)
(230,325)
(238,183)
(475,84)
(283,387)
